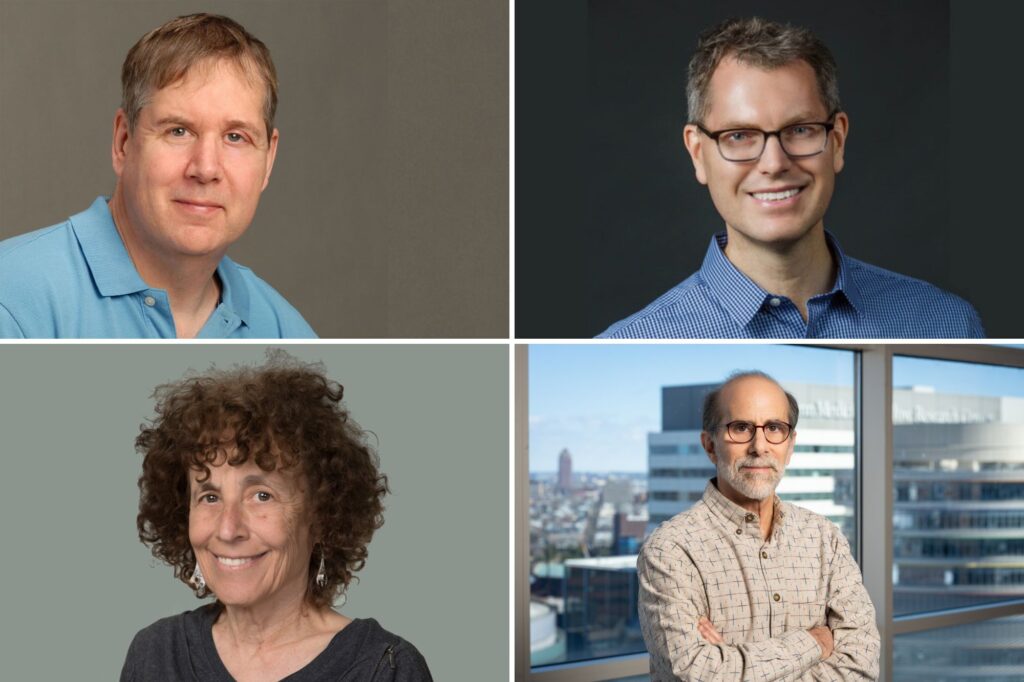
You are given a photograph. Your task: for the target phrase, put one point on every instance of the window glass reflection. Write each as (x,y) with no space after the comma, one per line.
(958,466)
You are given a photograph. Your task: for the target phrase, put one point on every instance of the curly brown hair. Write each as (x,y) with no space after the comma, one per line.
(283,415)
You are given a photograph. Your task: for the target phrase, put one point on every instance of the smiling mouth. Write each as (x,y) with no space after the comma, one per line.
(237,562)
(777,196)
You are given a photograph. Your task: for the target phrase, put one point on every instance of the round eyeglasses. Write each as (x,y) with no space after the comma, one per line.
(775,432)
(799,140)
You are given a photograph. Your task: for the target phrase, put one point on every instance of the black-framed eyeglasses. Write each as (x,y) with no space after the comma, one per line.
(775,432)
(799,140)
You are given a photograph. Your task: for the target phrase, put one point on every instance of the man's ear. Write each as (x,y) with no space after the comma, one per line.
(709,446)
(839,134)
(694,141)
(271,155)
(120,141)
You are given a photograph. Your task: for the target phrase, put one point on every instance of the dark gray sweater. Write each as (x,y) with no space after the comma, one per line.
(181,648)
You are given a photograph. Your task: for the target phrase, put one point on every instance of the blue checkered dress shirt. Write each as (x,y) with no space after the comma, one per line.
(866,302)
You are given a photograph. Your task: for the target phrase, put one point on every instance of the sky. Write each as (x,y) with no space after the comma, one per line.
(601,401)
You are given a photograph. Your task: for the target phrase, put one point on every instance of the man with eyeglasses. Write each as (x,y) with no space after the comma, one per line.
(744,586)
(767,136)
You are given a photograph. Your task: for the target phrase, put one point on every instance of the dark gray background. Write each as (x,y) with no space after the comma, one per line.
(76,583)
(609,214)
(387,211)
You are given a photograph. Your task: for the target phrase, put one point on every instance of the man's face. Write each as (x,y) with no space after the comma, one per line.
(744,96)
(749,471)
(191,173)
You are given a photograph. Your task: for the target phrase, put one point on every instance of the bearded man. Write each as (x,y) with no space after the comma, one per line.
(744,586)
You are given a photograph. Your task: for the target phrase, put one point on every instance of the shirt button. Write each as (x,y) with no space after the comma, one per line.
(764,555)
(739,531)
(150,301)
(775,301)
(750,518)
(776,596)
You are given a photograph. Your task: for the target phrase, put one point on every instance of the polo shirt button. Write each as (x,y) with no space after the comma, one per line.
(775,301)
(150,301)
(750,518)
(764,555)
(739,531)
(776,596)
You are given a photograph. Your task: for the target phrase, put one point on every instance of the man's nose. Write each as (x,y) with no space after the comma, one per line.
(204,164)
(759,445)
(774,158)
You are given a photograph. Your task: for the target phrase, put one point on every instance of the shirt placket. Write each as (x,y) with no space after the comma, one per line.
(156,309)
(786,313)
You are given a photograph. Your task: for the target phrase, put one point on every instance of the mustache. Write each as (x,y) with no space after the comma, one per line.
(757,462)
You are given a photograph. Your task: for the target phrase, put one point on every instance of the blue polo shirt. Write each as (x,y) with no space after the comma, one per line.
(866,302)
(76,280)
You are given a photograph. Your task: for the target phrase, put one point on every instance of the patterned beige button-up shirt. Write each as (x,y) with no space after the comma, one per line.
(761,595)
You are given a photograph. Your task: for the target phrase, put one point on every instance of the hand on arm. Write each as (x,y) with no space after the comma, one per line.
(820,633)
(673,603)
(850,619)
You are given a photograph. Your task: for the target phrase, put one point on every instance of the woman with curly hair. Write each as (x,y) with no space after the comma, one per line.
(259,490)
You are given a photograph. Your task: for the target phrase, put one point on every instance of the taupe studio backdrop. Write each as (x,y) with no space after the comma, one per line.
(76,584)
(387,211)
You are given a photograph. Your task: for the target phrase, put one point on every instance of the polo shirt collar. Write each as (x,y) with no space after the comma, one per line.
(108,260)
(234,294)
(114,273)
(743,299)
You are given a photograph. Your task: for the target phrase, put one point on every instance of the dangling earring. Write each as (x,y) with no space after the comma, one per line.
(197,579)
(321,574)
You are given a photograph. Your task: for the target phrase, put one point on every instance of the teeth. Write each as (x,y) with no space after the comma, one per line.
(233,562)
(776,196)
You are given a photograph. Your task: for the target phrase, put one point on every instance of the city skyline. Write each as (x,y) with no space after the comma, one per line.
(600,402)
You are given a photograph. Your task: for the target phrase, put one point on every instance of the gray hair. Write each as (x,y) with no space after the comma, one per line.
(712,413)
(764,44)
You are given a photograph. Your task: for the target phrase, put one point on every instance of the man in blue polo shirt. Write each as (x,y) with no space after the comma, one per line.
(194,144)
(767,136)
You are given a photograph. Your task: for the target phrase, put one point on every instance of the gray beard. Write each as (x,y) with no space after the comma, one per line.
(755,486)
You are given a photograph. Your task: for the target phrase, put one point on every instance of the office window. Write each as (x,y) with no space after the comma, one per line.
(614,450)
(958,484)
(991,650)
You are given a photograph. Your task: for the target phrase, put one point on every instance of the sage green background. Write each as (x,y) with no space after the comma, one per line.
(76,583)
(387,211)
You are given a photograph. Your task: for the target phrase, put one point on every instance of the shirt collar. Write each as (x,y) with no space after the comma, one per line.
(115,274)
(234,294)
(108,260)
(736,515)
(743,299)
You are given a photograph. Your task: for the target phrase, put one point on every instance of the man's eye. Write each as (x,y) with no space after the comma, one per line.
(235,137)
(263,496)
(800,131)
(774,427)
(178,132)
(742,427)
(209,498)
(739,136)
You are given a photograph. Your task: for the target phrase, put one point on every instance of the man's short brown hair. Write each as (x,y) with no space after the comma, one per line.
(764,44)
(164,56)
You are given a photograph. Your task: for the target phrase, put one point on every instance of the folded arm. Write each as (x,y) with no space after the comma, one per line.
(851,617)
(672,603)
